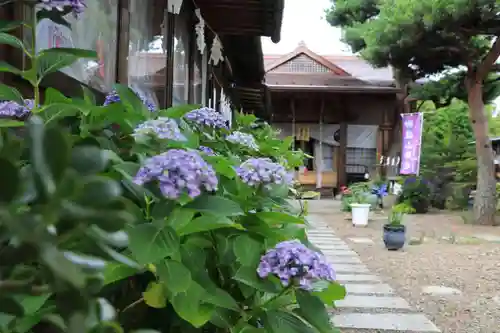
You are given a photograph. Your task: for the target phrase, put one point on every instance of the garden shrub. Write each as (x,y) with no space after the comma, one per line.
(121,217)
(459,197)
(416,192)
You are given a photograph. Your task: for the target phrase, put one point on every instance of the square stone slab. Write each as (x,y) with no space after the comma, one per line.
(372,302)
(325,240)
(342,259)
(413,322)
(361,240)
(333,247)
(349,268)
(337,252)
(358,278)
(488,238)
(365,289)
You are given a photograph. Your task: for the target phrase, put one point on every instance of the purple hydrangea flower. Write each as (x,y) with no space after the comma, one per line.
(178,171)
(244,139)
(113,97)
(263,171)
(206,117)
(163,128)
(12,109)
(207,150)
(77,6)
(293,263)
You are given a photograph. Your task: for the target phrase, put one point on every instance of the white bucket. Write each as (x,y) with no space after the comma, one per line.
(360,214)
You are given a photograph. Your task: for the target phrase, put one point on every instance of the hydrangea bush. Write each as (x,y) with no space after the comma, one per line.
(171,222)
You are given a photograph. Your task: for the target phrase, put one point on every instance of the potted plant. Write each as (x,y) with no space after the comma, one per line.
(360,203)
(395,230)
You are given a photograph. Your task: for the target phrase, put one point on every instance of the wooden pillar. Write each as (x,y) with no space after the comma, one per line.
(380,151)
(342,175)
(292,108)
(319,158)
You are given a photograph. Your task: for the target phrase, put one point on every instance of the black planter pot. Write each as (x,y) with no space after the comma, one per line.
(394,236)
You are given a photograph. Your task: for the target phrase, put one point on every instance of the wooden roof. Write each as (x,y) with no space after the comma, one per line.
(351,65)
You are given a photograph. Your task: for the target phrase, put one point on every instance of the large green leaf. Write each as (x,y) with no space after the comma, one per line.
(279,321)
(330,293)
(249,277)
(57,152)
(5,123)
(10,94)
(6,38)
(155,296)
(313,310)
(10,180)
(208,222)
(117,271)
(7,25)
(62,267)
(247,250)
(175,275)
(278,218)
(150,243)
(130,100)
(178,111)
(6,67)
(215,205)
(179,218)
(41,167)
(190,307)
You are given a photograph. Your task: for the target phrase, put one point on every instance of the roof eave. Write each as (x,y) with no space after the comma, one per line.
(346,89)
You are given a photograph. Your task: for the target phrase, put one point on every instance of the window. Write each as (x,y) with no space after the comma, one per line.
(147,59)
(359,158)
(180,94)
(94,30)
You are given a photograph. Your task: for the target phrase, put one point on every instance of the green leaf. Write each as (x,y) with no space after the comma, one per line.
(333,292)
(7,25)
(130,100)
(6,123)
(208,222)
(99,192)
(221,298)
(175,275)
(215,205)
(278,321)
(178,111)
(57,152)
(154,296)
(116,271)
(249,277)
(41,167)
(57,111)
(273,218)
(88,160)
(313,310)
(53,96)
(150,243)
(190,307)
(180,218)
(62,267)
(80,53)
(10,94)
(247,250)
(10,180)
(6,67)
(6,38)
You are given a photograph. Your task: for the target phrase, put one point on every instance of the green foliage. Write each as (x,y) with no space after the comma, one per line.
(85,249)
(416,193)
(398,211)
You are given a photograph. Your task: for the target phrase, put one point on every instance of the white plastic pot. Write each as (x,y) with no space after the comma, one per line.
(360,214)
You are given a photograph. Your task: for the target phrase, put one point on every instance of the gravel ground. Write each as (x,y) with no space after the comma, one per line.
(443,253)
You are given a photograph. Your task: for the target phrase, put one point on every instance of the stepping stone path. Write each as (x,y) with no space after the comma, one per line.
(370,304)
(440,291)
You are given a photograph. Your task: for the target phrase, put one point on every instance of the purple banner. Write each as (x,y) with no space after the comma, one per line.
(412,139)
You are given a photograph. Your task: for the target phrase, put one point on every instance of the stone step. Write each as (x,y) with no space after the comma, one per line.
(385,322)
(338,253)
(350,268)
(372,302)
(368,289)
(343,278)
(342,259)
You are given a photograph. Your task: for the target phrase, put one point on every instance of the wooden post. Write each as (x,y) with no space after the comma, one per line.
(319,166)
(380,151)
(342,175)
(292,107)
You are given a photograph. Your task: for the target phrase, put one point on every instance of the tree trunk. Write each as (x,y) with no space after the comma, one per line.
(485,200)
